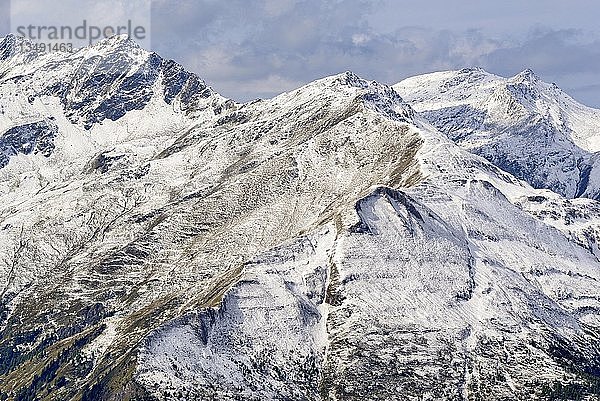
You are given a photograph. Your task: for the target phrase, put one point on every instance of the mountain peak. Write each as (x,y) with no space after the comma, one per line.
(106,80)
(346,78)
(471,70)
(352,80)
(526,75)
(118,43)
(118,39)
(522,124)
(11,37)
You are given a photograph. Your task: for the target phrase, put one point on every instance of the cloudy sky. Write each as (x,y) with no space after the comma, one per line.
(258,48)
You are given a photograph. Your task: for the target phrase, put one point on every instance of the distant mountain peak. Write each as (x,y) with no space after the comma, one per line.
(471,70)
(527,74)
(372,94)
(522,124)
(120,42)
(105,80)
(346,78)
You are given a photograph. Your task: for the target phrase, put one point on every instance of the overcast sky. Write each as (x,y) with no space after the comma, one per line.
(258,48)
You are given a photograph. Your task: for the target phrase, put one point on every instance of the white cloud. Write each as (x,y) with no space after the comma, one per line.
(360,39)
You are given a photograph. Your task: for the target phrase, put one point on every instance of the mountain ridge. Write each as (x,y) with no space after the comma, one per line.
(327,244)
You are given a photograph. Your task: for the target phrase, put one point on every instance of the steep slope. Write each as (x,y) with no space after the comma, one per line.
(445,290)
(327,244)
(525,126)
(143,240)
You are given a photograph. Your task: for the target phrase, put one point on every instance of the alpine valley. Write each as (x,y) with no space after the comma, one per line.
(348,240)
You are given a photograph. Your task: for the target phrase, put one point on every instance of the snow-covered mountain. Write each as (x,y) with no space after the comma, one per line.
(528,127)
(160,242)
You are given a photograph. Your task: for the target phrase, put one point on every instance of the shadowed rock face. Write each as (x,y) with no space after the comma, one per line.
(120,90)
(532,150)
(7,47)
(34,138)
(327,244)
(105,87)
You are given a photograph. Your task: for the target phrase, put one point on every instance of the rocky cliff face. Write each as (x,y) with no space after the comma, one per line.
(160,242)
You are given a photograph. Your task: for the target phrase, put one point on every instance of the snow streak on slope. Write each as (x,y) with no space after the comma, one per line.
(266,340)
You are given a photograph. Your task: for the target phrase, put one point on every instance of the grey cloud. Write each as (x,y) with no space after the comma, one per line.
(550,52)
(587,94)
(4,17)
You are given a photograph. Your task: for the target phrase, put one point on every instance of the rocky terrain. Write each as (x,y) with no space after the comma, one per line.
(348,240)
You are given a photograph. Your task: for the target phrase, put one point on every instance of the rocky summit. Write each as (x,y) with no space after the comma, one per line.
(348,240)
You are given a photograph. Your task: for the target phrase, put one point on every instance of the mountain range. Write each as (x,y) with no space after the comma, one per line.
(348,240)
